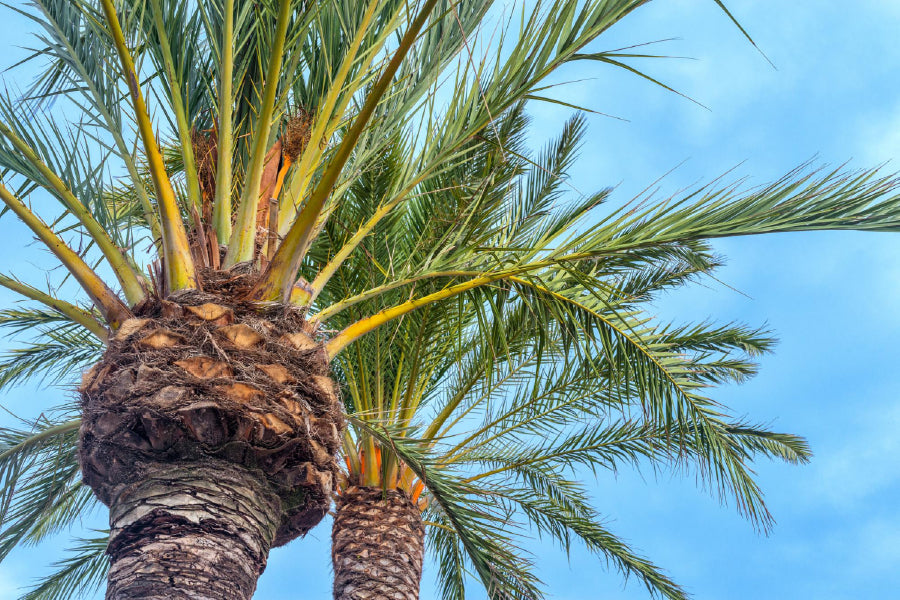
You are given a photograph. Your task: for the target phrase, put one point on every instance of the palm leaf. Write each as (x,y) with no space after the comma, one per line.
(78,575)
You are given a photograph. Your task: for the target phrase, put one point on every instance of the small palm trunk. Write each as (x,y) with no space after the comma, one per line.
(377,545)
(209,428)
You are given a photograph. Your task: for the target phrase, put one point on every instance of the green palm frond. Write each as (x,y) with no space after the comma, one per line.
(514,367)
(64,150)
(19,320)
(78,575)
(480,519)
(40,482)
(563,520)
(79,72)
(56,355)
(445,546)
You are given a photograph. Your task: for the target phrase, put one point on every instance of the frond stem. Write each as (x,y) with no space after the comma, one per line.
(78,315)
(184,128)
(243,237)
(225,144)
(41,436)
(179,263)
(278,278)
(127,277)
(112,308)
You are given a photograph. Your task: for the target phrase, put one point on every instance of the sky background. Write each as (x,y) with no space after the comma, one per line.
(831,298)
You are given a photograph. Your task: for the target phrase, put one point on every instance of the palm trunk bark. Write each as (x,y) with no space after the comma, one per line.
(378,543)
(209,428)
(200,532)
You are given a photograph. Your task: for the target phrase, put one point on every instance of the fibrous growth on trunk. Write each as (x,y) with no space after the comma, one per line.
(200,384)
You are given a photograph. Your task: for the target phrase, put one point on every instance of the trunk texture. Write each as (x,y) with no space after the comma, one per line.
(201,532)
(209,428)
(377,545)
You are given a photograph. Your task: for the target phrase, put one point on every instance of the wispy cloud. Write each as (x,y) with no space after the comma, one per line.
(10,585)
(859,460)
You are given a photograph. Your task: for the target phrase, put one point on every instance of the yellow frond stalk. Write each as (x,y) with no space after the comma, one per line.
(243,237)
(111,307)
(364,326)
(329,311)
(371,459)
(127,277)
(179,263)
(351,453)
(76,314)
(278,278)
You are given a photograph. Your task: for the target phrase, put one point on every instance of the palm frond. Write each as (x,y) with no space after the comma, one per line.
(78,575)
(40,482)
(56,354)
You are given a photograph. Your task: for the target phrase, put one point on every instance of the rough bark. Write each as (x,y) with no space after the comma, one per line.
(377,545)
(201,532)
(209,428)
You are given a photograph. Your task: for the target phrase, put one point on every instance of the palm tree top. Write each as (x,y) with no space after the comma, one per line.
(312,149)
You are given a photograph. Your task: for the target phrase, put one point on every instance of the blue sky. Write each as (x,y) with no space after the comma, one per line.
(831,298)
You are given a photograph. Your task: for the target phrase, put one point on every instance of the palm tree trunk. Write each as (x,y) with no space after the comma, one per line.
(201,532)
(209,428)
(377,546)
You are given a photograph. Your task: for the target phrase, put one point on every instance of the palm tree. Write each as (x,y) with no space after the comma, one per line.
(429,386)
(211,423)
(468,424)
